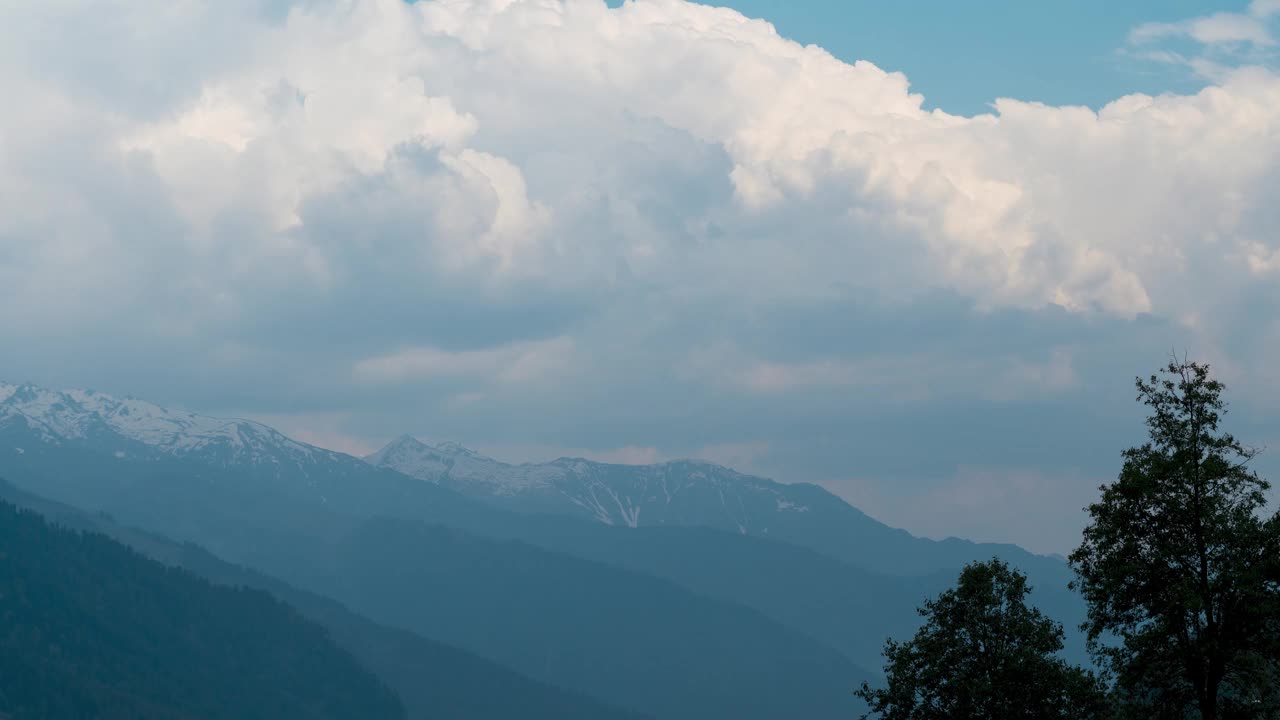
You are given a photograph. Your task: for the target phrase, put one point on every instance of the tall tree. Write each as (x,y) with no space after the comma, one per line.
(1179,566)
(983,654)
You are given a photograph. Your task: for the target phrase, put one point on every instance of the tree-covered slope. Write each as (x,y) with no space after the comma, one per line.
(91,629)
(638,641)
(846,607)
(294,523)
(433,680)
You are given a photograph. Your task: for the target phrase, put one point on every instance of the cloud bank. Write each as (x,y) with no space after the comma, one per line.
(549,222)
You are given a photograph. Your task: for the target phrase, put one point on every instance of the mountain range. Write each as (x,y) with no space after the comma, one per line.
(744,597)
(433,680)
(693,493)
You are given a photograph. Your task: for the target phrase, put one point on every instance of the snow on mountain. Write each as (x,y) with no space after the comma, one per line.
(252,462)
(80,416)
(451,463)
(692,493)
(681,492)
(678,492)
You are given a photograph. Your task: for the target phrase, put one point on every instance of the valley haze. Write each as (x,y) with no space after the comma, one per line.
(786,583)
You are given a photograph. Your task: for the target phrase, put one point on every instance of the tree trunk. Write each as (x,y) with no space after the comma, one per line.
(1209,701)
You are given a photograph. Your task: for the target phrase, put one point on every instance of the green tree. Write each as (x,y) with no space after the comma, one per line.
(91,629)
(1179,566)
(983,654)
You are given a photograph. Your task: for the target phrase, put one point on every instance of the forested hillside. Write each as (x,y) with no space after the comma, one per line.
(91,629)
(625,638)
(433,680)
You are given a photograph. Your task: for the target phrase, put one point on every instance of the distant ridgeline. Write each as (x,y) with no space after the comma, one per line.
(678,591)
(91,629)
(433,680)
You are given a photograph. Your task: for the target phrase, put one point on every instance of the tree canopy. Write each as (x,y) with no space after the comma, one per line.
(983,654)
(91,629)
(1179,566)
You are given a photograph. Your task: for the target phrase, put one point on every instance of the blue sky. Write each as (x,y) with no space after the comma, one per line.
(963,55)
(659,230)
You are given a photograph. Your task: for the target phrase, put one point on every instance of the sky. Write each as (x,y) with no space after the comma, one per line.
(962,56)
(914,252)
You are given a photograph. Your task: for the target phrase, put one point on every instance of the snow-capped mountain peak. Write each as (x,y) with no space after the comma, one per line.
(63,416)
(450,461)
(671,492)
(409,449)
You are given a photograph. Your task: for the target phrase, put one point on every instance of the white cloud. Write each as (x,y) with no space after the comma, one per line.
(1264,8)
(1213,29)
(517,362)
(1224,41)
(1023,378)
(459,206)
(779,377)
(1031,205)
(629,455)
(739,456)
(907,378)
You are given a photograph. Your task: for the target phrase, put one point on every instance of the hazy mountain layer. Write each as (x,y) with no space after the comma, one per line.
(313,524)
(279,508)
(694,493)
(638,641)
(433,680)
(91,629)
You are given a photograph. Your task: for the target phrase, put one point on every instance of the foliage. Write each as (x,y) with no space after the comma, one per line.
(983,654)
(90,629)
(1179,567)
(634,641)
(626,639)
(433,680)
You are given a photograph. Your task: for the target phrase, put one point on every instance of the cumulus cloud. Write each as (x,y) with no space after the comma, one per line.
(660,225)
(518,362)
(444,104)
(1221,42)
